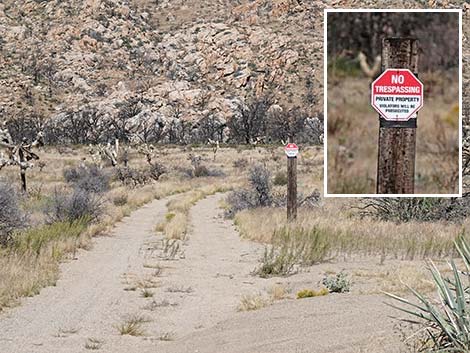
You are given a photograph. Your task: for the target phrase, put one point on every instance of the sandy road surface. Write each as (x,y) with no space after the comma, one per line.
(195,298)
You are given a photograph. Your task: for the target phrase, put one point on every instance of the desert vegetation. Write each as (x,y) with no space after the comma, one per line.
(143,182)
(76,198)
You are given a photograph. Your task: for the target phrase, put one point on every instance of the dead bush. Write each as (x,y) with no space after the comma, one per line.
(138,177)
(416,209)
(259,194)
(240,163)
(88,178)
(11,215)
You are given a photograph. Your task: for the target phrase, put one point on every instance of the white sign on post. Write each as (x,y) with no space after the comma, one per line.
(292,150)
(397,95)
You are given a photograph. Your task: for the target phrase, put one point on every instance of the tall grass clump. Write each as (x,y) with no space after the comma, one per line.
(11,215)
(35,240)
(444,322)
(294,247)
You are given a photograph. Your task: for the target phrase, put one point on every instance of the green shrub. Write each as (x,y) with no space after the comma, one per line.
(309,293)
(337,284)
(169,216)
(276,263)
(445,324)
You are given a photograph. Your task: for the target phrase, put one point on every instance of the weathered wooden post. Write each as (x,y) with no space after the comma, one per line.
(397,95)
(291,150)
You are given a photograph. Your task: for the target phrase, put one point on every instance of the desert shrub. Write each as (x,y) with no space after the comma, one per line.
(88,178)
(293,247)
(443,323)
(283,123)
(416,209)
(252,302)
(11,215)
(280,178)
(240,163)
(239,200)
(199,170)
(203,171)
(155,170)
(169,216)
(138,177)
(74,206)
(120,200)
(276,262)
(259,194)
(309,293)
(337,284)
(84,126)
(259,178)
(127,176)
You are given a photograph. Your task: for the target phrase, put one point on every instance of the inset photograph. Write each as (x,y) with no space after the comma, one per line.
(392,103)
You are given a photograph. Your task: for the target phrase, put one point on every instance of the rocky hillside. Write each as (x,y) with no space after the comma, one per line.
(175,71)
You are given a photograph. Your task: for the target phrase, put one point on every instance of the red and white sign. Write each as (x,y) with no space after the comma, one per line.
(397,95)
(292,150)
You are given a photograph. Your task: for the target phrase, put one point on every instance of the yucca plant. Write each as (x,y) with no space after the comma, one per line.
(445,320)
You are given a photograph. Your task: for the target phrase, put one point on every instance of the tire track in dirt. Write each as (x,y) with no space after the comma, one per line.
(217,267)
(194,304)
(89,299)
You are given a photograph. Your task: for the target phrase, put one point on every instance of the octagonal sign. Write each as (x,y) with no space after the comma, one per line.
(397,95)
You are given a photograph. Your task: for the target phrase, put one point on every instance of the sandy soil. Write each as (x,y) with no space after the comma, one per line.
(196,293)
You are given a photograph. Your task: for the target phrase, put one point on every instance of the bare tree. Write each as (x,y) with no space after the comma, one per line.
(249,123)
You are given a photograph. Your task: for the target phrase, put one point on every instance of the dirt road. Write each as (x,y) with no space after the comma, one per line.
(185,297)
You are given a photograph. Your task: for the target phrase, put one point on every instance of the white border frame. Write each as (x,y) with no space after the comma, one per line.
(325,103)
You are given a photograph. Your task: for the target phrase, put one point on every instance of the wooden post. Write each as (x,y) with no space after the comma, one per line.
(23,179)
(397,140)
(291,187)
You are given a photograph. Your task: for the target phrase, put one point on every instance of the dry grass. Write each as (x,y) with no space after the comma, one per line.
(24,274)
(179,289)
(253,302)
(395,279)
(279,292)
(134,282)
(351,235)
(93,343)
(133,325)
(167,336)
(146,293)
(176,222)
(25,270)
